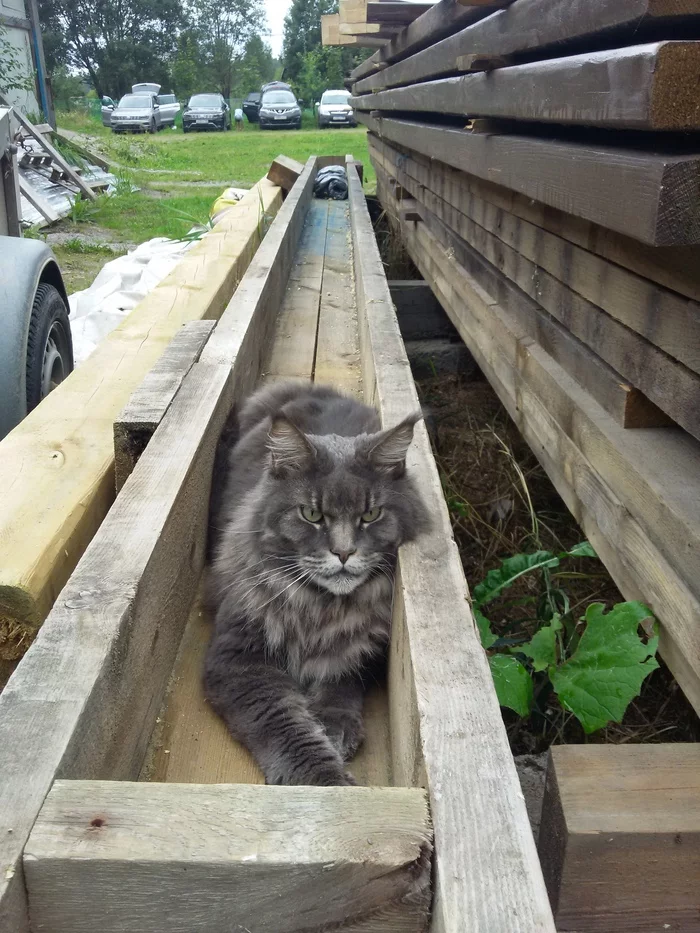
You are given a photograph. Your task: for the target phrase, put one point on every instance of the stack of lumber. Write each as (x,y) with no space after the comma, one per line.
(365,23)
(543,164)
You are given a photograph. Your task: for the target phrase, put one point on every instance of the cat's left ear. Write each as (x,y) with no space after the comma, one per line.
(290,448)
(388,449)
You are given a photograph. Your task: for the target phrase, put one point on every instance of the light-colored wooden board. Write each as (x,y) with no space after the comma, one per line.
(84,700)
(294,346)
(626,489)
(144,858)
(338,350)
(144,411)
(57,466)
(487,875)
(620,837)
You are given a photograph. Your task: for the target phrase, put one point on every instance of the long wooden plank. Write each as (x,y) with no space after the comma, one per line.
(395,11)
(37,200)
(606,284)
(445,716)
(337,350)
(620,837)
(75,178)
(543,27)
(137,422)
(441,20)
(630,491)
(653,196)
(626,404)
(84,700)
(644,87)
(667,383)
(301,859)
(57,466)
(667,319)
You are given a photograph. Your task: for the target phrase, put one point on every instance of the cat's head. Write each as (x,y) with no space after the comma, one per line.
(339,507)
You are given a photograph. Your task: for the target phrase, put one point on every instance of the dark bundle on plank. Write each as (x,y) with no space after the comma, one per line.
(542,165)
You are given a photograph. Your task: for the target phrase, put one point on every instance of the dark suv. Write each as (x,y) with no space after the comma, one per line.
(251,105)
(279,107)
(206,112)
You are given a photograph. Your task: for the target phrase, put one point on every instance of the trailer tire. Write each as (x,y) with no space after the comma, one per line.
(49,345)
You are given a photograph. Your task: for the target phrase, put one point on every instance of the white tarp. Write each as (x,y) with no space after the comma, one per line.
(119,287)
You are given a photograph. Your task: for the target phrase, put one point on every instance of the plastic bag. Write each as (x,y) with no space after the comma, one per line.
(331,182)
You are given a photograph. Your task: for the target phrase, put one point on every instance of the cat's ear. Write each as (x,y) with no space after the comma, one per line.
(388,449)
(290,448)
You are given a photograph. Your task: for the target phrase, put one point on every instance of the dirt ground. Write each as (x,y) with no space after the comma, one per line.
(501,503)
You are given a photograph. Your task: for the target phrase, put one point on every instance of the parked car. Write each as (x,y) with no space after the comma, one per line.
(279,107)
(146,88)
(334,109)
(169,108)
(36,348)
(206,112)
(251,106)
(136,113)
(108,106)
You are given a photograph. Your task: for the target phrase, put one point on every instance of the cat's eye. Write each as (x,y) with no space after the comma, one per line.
(371,516)
(311,515)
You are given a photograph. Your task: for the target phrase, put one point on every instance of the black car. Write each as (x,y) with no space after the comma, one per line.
(279,107)
(206,112)
(251,105)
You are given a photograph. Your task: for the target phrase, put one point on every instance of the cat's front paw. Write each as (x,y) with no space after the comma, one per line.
(345,729)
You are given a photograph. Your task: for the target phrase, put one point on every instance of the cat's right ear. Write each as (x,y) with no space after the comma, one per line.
(290,449)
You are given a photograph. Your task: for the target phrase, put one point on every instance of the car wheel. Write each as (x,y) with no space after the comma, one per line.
(152,127)
(49,345)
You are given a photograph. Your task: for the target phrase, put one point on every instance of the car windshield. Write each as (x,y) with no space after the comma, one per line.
(135,102)
(338,98)
(278,97)
(167,99)
(205,100)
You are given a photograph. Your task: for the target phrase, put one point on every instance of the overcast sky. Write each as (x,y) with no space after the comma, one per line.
(276,12)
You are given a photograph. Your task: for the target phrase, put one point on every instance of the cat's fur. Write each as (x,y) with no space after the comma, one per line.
(303,609)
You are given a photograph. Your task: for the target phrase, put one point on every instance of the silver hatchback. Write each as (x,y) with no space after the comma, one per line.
(136,113)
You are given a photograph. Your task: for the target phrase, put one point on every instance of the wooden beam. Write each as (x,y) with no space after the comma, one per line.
(409,210)
(620,837)
(627,404)
(445,719)
(59,462)
(645,87)
(75,178)
(84,700)
(441,20)
(654,196)
(631,492)
(362,30)
(636,361)
(137,422)
(284,172)
(553,26)
(37,200)
(607,284)
(363,862)
(92,157)
(395,11)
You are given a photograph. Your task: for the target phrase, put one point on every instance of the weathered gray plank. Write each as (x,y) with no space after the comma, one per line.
(654,197)
(146,408)
(144,858)
(446,723)
(645,87)
(532,26)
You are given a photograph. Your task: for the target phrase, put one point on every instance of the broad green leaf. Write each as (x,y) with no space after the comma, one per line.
(542,648)
(508,573)
(608,667)
(484,626)
(513,683)
(584,549)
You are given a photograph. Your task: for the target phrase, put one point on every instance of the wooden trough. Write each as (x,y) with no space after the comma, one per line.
(126,807)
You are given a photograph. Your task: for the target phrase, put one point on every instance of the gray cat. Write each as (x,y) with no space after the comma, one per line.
(315,504)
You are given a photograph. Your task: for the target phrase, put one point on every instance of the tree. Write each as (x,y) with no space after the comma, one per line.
(302,33)
(188,65)
(226,26)
(255,67)
(322,68)
(117,42)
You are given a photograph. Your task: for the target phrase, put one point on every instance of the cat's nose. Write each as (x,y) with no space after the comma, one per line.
(344,555)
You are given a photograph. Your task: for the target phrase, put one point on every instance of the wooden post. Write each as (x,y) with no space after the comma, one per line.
(284,172)
(620,837)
